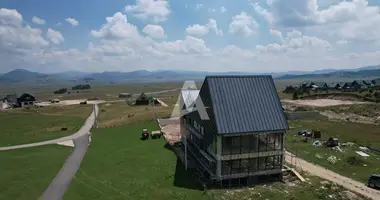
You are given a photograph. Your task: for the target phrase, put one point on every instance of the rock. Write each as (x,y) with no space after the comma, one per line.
(350,195)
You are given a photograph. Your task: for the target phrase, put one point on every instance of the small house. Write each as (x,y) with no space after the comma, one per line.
(10,101)
(125,95)
(334,86)
(26,100)
(320,85)
(143,99)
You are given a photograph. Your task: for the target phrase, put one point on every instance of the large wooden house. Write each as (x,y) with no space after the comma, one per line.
(244,135)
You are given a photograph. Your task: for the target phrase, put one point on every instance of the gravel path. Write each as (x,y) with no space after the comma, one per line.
(61,182)
(345,182)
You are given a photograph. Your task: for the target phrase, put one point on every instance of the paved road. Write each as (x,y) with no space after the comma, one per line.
(324,173)
(61,182)
(82,131)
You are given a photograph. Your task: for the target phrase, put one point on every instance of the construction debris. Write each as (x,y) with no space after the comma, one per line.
(350,144)
(317,143)
(337,148)
(361,153)
(332,159)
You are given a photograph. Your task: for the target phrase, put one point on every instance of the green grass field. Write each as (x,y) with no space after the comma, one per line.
(120,166)
(27,125)
(349,164)
(26,173)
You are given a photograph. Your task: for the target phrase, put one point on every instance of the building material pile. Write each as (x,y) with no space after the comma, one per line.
(171,133)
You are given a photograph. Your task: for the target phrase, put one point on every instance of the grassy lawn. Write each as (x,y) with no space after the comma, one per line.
(115,114)
(28,125)
(349,163)
(120,166)
(26,173)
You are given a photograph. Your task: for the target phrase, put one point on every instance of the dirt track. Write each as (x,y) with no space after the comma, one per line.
(347,183)
(322,102)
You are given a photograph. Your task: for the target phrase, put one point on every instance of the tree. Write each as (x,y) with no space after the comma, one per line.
(376,95)
(81,87)
(295,95)
(60,91)
(289,89)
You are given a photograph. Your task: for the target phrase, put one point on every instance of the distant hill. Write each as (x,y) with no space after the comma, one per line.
(360,74)
(25,76)
(19,75)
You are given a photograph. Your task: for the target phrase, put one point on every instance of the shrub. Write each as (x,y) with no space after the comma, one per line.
(61,91)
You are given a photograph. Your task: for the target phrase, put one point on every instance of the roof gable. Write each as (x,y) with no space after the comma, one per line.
(189,97)
(245,104)
(142,97)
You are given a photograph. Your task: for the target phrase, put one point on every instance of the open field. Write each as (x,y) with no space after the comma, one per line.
(39,124)
(349,163)
(102,92)
(26,173)
(120,166)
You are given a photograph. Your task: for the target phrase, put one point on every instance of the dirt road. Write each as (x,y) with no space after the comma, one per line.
(322,102)
(347,183)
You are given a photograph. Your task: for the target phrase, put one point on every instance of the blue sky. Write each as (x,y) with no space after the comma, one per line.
(247,35)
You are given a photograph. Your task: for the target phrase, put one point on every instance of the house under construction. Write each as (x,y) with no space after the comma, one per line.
(244,135)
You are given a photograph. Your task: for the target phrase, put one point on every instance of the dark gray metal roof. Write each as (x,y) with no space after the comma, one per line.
(244,104)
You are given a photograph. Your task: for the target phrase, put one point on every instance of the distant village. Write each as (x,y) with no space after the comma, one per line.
(353,86)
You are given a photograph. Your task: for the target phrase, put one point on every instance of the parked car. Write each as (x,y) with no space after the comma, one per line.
(374,181)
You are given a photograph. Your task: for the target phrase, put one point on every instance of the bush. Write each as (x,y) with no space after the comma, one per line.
(61,91)
(289,89)
(81,87)
(295,95)
(376,95)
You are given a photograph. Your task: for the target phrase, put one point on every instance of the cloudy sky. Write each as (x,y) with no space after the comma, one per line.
(223,35)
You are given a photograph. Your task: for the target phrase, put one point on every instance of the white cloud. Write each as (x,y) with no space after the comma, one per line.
(151,10)
(198,6)
(276,33)
(197,29)
(154,31)
(38,20)
(243,24)
(342,42)
(263,12)
(14,36)
(295,41)
(348,20)
(223,9)
(117,26)
(119,46)
(72,21)
(10,17)
(212,10)
(54,36)
(202,30)
(58,24)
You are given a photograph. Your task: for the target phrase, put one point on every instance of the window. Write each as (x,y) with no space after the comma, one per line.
(235,167)
(195,125)
(202,130)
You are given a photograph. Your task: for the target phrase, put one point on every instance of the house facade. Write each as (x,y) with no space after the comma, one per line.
(11,101)
(244,136)
(26,100)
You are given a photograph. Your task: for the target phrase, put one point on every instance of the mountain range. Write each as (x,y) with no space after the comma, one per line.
(22,75)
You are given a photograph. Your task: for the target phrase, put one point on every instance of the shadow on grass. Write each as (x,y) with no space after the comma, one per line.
(185,179)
